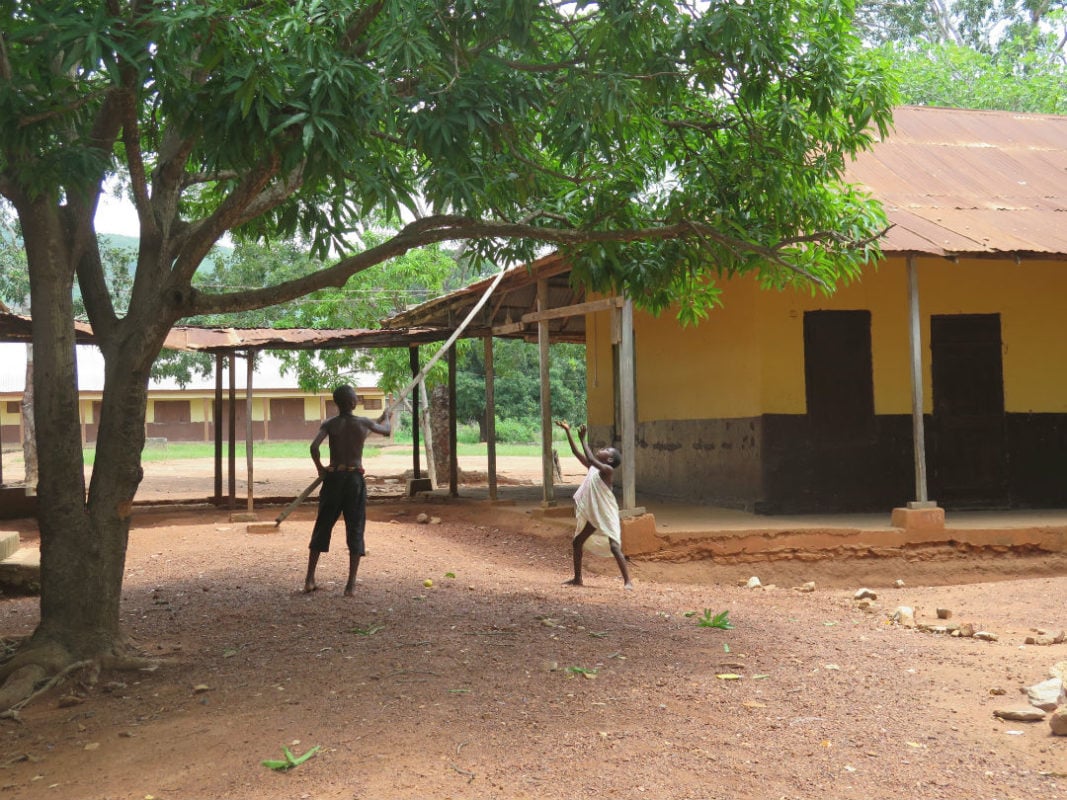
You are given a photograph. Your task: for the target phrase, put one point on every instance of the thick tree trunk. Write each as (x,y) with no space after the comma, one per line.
(442,454)
(83,538)
(80,574)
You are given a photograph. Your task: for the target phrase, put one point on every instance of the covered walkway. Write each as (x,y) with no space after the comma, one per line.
(679,531)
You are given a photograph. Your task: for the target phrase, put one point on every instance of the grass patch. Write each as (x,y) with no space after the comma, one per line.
(480,448)
(184,450)
(173,451)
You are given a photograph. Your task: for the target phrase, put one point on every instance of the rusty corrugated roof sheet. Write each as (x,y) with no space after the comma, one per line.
(224,339)
(17,328)
(958,182)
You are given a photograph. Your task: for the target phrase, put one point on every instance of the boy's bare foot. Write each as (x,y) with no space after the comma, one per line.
(573,582)
(629,586)
(309,587)
(350,590)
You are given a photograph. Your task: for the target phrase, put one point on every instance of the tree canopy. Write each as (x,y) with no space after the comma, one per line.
(657,143)
(720,132)
(987,54)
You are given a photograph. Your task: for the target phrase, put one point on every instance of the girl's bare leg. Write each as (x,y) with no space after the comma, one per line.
(620,559)
(576,546)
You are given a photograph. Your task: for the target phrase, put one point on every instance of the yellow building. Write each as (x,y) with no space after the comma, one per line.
(281,411)
(936,377)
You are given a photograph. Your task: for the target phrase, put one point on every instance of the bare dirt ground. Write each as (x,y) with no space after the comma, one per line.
(498,682)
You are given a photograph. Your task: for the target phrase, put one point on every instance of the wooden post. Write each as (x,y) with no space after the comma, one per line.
(490,417)
(548,496)
(250,358)
(627,407)
(217,413)
(427,431)
(231,456)
(918,429)
(413,361)
(453,457)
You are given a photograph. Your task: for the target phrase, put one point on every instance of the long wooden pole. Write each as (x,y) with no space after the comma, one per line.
(414,382)
(548,493)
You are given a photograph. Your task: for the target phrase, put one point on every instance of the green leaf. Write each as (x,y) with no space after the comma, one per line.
(720,620)
(290,761)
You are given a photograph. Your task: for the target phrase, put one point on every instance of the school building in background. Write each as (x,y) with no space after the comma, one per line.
(281,411)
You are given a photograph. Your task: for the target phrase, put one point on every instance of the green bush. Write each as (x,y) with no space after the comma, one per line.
(468,434)
(514,431)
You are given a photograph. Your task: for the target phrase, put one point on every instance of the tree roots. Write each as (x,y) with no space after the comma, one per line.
(38,667)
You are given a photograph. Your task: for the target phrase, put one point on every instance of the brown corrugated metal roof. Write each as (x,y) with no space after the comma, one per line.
(957,182)
(954,182)
(16,328)
(224,339)
(515,296)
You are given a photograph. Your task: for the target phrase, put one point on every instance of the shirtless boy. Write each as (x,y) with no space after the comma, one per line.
(343,490)
(595,505)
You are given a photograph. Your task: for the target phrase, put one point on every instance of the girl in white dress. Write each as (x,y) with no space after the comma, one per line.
(595,506)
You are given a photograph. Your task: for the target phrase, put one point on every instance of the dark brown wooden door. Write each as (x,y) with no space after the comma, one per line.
(968,467)
(838,376)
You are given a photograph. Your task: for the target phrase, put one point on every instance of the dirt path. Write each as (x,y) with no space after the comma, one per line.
(498,682)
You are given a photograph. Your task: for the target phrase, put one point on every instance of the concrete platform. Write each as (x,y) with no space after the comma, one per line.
(677,531)
(20,572)
(9,543)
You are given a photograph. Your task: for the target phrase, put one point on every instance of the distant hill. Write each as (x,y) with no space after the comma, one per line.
(119,240)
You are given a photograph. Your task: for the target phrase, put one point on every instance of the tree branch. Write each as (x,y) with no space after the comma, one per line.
(52,113)
(194,178)
(244,203)
(6,71)
(359,26)
(85,250)
(440,228)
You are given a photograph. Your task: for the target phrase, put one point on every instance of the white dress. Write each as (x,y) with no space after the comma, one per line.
(595,503)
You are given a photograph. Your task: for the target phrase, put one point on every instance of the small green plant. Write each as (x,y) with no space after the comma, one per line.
(583,671)
(720,620)
(368,631)
(290,760)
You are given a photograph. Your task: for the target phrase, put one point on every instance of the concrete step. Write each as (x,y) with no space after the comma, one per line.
(20,572)
(9,543)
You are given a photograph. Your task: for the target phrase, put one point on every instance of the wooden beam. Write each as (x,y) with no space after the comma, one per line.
(508,328)
(576,310)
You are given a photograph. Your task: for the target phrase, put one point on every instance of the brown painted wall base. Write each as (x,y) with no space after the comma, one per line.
(16,504)
(780,464)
